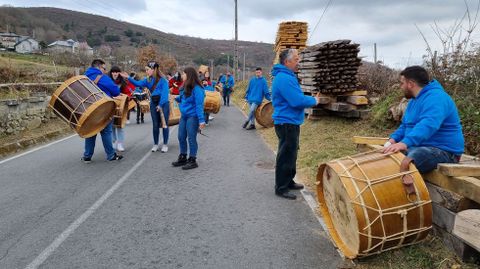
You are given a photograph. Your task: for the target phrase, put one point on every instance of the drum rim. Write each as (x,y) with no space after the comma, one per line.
(62,87)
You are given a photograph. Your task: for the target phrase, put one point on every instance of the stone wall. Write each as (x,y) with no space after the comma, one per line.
(16,115)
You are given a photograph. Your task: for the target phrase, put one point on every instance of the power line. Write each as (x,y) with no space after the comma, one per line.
(320,19)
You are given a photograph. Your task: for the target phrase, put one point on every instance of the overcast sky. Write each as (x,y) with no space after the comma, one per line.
(390,24)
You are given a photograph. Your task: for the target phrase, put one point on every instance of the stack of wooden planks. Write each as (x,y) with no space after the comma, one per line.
(290,34)
(330,69)
(455,193)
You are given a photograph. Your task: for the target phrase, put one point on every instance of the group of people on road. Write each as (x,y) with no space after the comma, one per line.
(430,132)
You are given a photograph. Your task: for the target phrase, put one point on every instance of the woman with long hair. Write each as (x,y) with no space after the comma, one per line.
(157,84)
(127,88)
(191,98)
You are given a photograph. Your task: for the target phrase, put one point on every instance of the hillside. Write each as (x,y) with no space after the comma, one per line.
(50,24)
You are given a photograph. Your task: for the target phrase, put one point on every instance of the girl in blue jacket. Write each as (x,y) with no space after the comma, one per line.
(191,99)
(159,104)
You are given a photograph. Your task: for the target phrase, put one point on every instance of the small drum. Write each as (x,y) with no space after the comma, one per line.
(174,116)
(365,206)
(121,111)
(144,106)
(80,103)
(219,88)
(131,104)
(212,102)
(263,114)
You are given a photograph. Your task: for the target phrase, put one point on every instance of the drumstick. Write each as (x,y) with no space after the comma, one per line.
(162,118)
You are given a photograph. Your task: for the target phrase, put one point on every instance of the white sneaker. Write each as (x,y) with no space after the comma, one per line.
(164,148)
(154,148)
(211,117)
(120,147)
(128,121)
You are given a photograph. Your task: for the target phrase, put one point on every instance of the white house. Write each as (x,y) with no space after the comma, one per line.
(8,40)
(70,46)
(26,45)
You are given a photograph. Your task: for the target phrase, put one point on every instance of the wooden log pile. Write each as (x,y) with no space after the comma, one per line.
(290,34)
(455,193)
(330,67)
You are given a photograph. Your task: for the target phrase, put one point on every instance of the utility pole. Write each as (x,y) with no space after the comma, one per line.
(228,62)
(211,69)
(243,77)
(375,53)
(235,55)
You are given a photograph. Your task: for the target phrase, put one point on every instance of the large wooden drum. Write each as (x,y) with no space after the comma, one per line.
(263,114)
(80,103)
(174,116)
(365,206)
(212,103)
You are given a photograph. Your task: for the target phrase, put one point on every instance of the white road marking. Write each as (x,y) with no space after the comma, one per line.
(42,257)
(35,149)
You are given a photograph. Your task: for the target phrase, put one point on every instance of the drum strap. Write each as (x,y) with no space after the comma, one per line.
(97,79)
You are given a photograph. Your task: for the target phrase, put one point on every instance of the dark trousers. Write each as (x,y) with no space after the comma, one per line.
(226,96)
(286,163)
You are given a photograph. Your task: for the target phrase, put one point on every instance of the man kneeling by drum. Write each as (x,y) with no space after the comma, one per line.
(430,132)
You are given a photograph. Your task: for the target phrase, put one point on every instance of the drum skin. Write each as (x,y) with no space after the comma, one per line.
(212,102)
(80,103)
(365,206)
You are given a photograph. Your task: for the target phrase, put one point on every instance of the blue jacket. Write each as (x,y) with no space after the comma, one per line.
(257,89)
(192,106)
(288,100)
(161,89)
(106,84)
(227,83)
(431,120)
(209,88)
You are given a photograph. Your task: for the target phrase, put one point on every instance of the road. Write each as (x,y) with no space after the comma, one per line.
(140,212)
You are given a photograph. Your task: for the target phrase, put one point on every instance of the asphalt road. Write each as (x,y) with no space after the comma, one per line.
(140,212)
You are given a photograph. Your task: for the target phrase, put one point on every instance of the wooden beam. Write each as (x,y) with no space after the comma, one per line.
(357,100)
(468,187)
(449,199)
(467,227)
(362,92)
(369,140)
(339,106)
(456,170)
(443,217)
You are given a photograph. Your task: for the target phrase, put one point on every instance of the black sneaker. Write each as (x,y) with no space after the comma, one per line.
(251,127)
(86,159)
(138,121)
(182,160)
(191,163)
(116,157)
(245,125)
(143,121)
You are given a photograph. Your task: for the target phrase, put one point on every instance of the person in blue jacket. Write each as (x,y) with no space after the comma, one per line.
(97,73)
(209,88)
(430,132)
(191,99)
(228,82)
(257,90)
(289,104)
(157,84)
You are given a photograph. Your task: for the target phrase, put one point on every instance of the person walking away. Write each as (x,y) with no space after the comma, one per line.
(228,82)
(190,100)
(96,73)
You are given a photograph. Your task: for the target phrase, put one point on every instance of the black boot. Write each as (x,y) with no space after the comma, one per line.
(182,160)
(191,163)
(245,124)
(251,127)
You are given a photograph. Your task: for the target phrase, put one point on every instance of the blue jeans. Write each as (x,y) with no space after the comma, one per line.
(157,122)
(187,129)
(118,135)
(106,134)
(427,158)
(251,114)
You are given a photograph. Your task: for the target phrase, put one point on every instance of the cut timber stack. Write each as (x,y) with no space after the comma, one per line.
(331,68)
(290,35)
(455,193)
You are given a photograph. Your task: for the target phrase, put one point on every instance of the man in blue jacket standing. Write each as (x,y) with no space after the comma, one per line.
(430,132)
(257,90)
(228,82)
(96,73)
(289,104)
